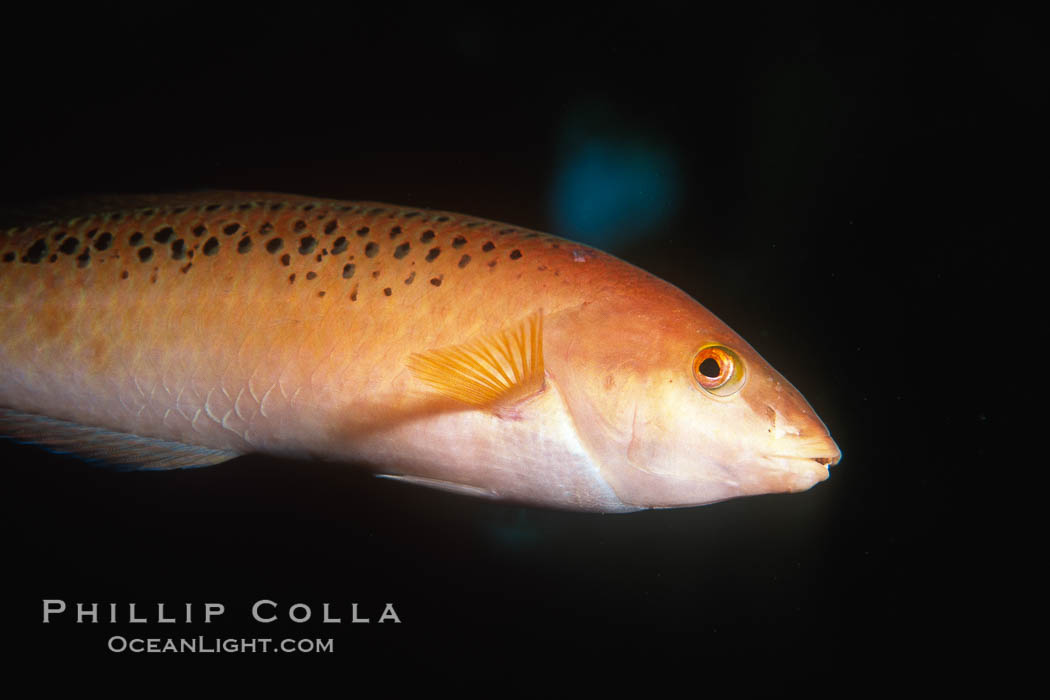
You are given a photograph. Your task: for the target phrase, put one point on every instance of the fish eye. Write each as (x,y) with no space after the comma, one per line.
(718,370)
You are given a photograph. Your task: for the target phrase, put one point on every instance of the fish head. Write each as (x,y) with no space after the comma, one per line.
(677,409)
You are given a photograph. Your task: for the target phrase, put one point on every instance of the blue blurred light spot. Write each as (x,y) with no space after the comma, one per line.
(611,189)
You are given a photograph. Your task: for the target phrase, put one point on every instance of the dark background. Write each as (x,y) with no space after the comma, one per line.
(845,188)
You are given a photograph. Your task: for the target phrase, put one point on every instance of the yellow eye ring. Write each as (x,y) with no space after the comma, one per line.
(718,370)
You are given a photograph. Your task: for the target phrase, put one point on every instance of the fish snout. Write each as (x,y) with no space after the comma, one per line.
(824,451)
(800,463)
(798,433)
(821,450)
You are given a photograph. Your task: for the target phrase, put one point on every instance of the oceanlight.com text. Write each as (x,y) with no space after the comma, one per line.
(218,645)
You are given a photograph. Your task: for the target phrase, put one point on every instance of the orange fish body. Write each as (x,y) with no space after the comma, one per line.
(433,347)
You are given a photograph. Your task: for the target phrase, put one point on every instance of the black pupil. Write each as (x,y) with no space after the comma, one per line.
(710,368)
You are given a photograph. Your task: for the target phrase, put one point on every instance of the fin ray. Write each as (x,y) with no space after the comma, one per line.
(106,447)
(501,367)
(443,485)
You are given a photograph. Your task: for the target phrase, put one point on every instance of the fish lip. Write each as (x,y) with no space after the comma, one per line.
(827,454)
(826,460)
(814,467)
(802,471)
(832,456)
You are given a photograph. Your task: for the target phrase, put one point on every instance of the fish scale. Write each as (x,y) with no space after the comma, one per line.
(150,310)
(232,322)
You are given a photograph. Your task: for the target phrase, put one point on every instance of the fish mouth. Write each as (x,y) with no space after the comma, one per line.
(830,456)
(825,459)
(813,465)
(824,452)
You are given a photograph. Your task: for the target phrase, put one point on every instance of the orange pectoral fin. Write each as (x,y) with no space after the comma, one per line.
(492,371)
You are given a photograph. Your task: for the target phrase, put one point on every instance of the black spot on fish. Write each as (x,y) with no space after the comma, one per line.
(246,205)
(299,226)
(372,249)
(9,257)
(53,258)
(488,246)
(308,207)
(124,275)
(459,242)
(186,268)
(363,231)
(515,254)
(436,281)
(432,254)
(69,246)
(375,274)
(286,259)
(395,232)
(307,244)
(244,245)
(330,227)
(410,214)
(464,261)
(339,245)
(91,233)
(348,270)
(388,291)
(60,235)
(212,207)
(230,229)
(178,249)
(180,210)
(427,237)
(211,246)
(321,293)
(84,259)
(200,230)
(441,218)
(410,278)
(136,238)
(277,206)
(320,256)
(353,294)
(164,235)
(401,251)
(311,275)
(36,252)
(274,244)
(145,253)
(266,229)
(291,278)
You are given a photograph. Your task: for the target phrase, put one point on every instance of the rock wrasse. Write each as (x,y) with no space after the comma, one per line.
(436,348)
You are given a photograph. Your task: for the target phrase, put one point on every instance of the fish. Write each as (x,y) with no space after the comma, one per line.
(434,348)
